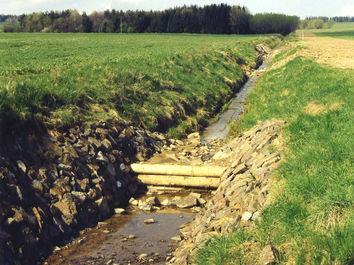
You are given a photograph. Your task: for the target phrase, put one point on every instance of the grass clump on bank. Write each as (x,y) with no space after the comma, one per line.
(156,81)
(310,218)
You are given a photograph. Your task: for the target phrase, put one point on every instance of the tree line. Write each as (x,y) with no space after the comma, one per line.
(322,22)
(211,19)
(335,19)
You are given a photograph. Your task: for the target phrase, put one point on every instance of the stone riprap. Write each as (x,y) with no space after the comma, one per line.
(55,182)
(243,190)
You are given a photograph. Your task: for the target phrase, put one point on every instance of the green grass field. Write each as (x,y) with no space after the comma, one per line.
(311,218)
(162,82)
(339,30)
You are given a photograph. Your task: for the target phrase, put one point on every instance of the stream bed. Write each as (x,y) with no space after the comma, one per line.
(125,239)
(221,127)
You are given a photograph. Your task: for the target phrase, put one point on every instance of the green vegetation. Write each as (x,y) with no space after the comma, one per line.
(316,23)
(311,217)
(269,23)
(325,22)
(156,81)
(339,30)
(343,30)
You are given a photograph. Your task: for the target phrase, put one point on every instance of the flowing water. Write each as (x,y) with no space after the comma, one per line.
(221,127)
(125,240)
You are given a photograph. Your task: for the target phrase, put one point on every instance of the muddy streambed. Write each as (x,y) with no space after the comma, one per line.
(126,239)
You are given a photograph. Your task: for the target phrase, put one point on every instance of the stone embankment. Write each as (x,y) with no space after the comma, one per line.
(53,185)
(243,190)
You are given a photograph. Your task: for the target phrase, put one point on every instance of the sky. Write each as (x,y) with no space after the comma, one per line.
(300,8)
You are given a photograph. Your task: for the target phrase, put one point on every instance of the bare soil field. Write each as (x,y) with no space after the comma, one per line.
(330,51)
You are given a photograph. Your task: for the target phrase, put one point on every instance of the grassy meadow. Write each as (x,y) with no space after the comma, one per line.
(165,82)
(310,218)
(344,30)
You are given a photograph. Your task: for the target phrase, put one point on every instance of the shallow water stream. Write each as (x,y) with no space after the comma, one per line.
(221,127)
(125,240)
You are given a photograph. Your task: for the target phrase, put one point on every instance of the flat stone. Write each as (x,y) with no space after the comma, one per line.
(246,216)
(166,202)
(119,211)
(102,158)
(142,256)
(187,202)
(153,201)
(195,135)
(202,201)
(176,238)
(38,186)
(149,221)
(256,215)
(146,207)
(65,167)
(21,166)
(133,202)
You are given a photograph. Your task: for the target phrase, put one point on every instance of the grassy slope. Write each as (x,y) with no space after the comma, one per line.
(311,219)
(158,81)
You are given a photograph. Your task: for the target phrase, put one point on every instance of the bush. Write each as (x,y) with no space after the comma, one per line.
(316,23)
(11,27)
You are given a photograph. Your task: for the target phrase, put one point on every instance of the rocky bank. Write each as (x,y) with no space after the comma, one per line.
(55,182)
(242,193)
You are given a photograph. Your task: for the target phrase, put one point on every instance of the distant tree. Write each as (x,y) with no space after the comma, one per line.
(74,21)
(315,23)
(87,24)
(11,24)
(97,21)
(217,19)
(3,18)
(116,20)
(343,19)
(273,23)
(239,20)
